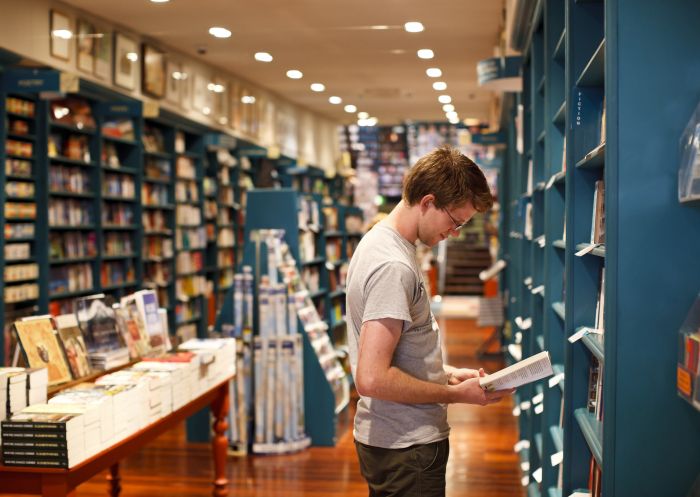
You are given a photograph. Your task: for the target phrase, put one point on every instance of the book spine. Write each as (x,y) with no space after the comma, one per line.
(12,444)
(37,463)
(22,426)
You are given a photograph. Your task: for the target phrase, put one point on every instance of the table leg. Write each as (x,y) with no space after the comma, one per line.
(115,480)
(219,443)
(55,486)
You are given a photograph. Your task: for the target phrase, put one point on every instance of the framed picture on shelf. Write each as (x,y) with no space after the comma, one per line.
(103,53)
(60,35)
(85,43)
(173,76)
(201,97)
(125,58)
(153,73)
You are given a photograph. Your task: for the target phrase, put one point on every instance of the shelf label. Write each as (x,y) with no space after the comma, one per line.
(583,331)
(525,405)
(539,408)
(516,411)
(520,445)
(527,323)
(556,459)
(537,475)
(537,399)
(525,466)
(555,380)
(551,181)
(541,241)
(518,337)
(586,250)
(538,289)
(525,480)
(528,281)
(580,494)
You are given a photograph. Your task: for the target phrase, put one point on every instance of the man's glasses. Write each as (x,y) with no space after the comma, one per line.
(458,226)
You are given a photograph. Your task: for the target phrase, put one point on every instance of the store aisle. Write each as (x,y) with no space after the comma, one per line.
(482,462)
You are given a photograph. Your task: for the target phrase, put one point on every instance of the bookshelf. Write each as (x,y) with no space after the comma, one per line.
(20,264)
(278,209)
(586,106)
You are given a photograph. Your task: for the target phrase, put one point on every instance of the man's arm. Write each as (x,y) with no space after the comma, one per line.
(377,378)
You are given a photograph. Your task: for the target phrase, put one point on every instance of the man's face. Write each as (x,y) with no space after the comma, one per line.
(438,224)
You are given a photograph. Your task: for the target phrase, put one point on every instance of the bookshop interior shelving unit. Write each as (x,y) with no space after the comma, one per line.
(278,209)
(602,130)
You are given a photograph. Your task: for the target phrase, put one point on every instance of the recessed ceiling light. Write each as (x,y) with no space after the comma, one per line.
(295,74)
(440,86)
(448,107)
(335,100)
(371,121)
(350,108)
(454,120)
(362,115)
(160,1)
(433,72)
(248,99)
(206,111)
(318,87)
(451,115)
(263,57)
(445,99)
(379,27)
(413,27)
(471,121)
(132,56)
(219,32)
(425,53)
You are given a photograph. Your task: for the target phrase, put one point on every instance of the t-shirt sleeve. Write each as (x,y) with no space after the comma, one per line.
(389,292)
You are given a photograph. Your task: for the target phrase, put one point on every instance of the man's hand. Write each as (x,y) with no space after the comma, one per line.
(469,391)
(456,376)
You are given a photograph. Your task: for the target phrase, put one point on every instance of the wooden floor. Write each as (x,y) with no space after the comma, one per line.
(482,462)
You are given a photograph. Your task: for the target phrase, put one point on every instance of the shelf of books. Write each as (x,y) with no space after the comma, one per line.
(191,287)
(608,238)
(20,263)
(158,213)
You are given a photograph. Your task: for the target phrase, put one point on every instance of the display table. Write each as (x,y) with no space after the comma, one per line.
(51,482)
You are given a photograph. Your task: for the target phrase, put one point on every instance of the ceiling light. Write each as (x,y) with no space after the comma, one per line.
(448,107)
(454,120)
(445,99)
(335,100)
(218,32)
(223,120)
(177,75)
(295,74)
(263,57)
(452,115)
(318,87)
(206,111)
(132,56)
(433,72)
(440,86)
(160,1)
(64,34)
(472,121)
(362,115)
(413,27)
(350,108)
(216,88)
(379,27)
(397,51)
(372,121)
(425,53)
(248,99)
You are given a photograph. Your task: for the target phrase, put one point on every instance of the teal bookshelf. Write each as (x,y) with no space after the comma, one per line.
(582,123)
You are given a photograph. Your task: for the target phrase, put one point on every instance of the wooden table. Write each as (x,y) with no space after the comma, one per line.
(52,482)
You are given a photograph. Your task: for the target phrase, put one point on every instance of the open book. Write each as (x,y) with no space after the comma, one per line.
(528,370)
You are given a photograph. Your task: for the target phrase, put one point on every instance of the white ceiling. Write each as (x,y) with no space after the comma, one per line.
(331,42)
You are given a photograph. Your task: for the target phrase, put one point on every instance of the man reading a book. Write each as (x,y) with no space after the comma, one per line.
(401,431)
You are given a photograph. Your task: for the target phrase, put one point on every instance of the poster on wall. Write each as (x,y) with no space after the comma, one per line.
(125,59)
(103,53)
(153,72)
(173,77)
(85,46)
(60,35)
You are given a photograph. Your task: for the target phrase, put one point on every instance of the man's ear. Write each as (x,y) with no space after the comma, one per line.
(427,201)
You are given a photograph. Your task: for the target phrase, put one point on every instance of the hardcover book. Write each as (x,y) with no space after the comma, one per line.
(41,347)
(98,324)
(73,345)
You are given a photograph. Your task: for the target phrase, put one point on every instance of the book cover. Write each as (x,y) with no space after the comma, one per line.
(533,368)
(42,349)
(98,323)
(73,345)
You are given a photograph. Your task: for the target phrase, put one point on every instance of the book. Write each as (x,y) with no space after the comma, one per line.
(73,345)
(41,347)
(533,368)
(98,324)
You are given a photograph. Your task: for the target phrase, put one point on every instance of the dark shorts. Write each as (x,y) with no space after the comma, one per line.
(416,471)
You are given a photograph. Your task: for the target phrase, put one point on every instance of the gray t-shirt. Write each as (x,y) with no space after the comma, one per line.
(384,281)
